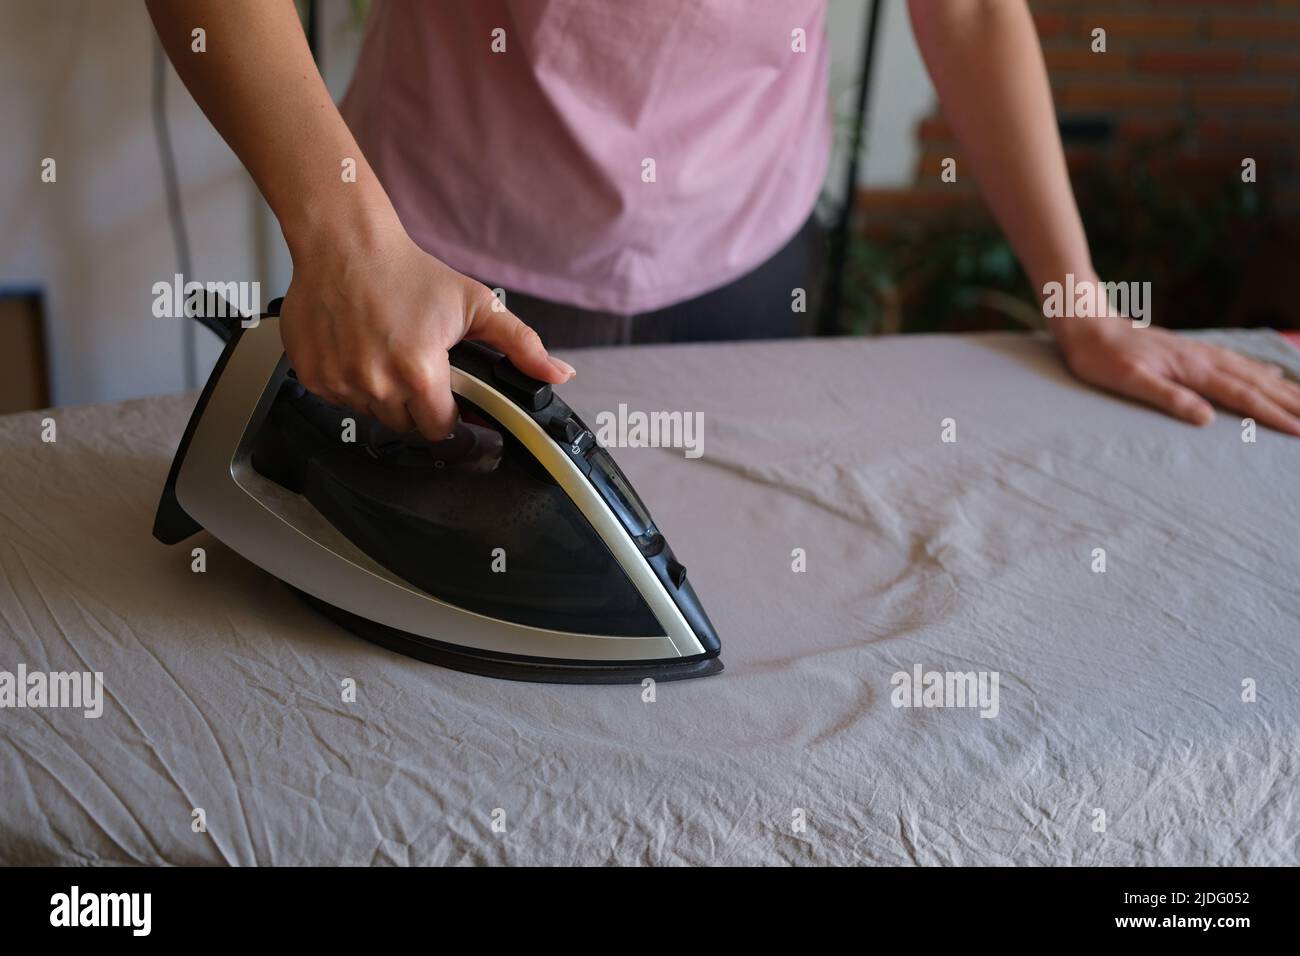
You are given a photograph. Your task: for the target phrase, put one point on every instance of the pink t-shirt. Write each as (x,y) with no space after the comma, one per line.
(529,167)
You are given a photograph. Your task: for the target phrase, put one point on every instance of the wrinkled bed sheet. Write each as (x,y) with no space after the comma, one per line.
(1120,692)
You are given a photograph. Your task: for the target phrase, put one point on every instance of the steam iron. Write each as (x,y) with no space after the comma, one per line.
(516,548)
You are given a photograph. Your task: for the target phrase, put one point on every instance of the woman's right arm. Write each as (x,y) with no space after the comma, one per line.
(368,316)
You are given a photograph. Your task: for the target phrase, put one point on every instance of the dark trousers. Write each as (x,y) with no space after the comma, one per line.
(758,305)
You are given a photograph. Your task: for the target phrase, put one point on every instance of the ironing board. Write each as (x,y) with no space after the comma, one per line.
(1147,714)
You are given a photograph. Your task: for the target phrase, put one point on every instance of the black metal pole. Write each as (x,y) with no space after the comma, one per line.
(312,28)
(840,235)
(175,208)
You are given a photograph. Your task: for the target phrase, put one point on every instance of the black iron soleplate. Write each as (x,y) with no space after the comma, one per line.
(512,666)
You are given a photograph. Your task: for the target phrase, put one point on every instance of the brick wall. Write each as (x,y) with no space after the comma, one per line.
(1187,88)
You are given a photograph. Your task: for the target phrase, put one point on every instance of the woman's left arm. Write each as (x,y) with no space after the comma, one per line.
(987,66)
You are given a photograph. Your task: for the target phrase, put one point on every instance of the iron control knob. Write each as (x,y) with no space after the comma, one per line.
(532,394)
(572,434)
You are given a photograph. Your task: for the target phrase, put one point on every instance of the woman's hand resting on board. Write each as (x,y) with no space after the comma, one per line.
(1175,373)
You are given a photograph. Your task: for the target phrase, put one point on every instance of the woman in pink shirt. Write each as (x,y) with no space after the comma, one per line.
(642,170)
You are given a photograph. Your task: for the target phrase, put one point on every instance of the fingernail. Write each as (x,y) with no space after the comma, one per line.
(564,366)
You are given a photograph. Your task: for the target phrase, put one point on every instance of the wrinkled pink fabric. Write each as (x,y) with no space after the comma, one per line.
(525,167)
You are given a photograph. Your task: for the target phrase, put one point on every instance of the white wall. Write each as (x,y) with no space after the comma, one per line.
(75,85)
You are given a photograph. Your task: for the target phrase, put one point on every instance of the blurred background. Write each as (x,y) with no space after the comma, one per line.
(1155,129)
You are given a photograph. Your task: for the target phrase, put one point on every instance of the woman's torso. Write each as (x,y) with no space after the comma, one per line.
(529,166)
